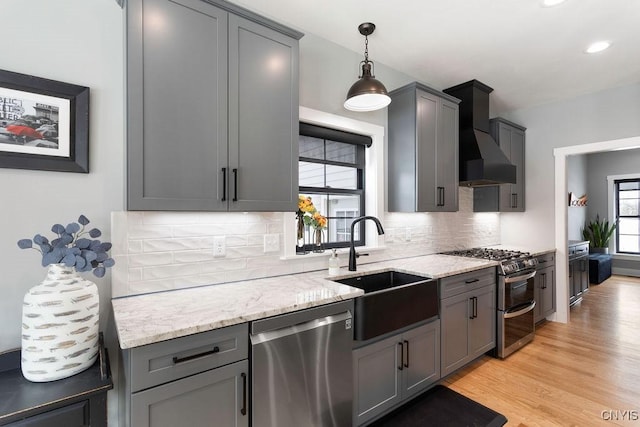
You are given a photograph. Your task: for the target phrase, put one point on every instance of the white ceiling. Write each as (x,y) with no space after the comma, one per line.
(529,54)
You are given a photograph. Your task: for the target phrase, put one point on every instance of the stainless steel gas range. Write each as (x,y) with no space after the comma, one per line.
(516,271)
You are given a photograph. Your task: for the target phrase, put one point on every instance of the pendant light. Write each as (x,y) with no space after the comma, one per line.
(368,93)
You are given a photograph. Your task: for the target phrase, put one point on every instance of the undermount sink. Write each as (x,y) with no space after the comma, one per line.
(392,300)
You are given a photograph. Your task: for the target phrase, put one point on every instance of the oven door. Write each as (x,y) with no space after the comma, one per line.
(516,324)
(518,292)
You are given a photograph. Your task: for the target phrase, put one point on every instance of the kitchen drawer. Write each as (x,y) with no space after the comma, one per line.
(546,260)
(576,251)
(71,415)
(170,360)
(454,285)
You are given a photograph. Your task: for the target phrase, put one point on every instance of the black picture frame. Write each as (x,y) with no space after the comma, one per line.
(61,112)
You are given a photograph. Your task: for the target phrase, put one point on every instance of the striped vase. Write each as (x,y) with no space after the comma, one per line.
(59,326)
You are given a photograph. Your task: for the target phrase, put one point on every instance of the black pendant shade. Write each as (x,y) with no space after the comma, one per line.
(368,93)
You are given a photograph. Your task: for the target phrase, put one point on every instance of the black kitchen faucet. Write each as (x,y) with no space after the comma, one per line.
(352,250)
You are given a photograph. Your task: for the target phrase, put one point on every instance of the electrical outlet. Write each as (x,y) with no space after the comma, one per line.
(407,234)
(271,243)
(219,247)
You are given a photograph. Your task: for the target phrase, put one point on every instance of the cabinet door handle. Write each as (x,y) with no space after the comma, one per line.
(400,367)
(243,411)
(224,184)
(474,307)
(177,360)
(544,280)
(472,280)
(440,196)
(406,364)
(235,185)
(514,200)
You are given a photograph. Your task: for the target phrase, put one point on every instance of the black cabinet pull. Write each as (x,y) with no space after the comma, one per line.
(474,307)
(440,196)
(195,356)
(514,200)
(544,280)
(406,365)
(400,367)
(224,184)
(472,280)
(235,185)
(243,411)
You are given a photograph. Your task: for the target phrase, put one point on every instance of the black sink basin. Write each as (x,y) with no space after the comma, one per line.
(392,301)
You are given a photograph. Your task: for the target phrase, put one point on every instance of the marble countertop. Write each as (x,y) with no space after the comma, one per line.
(150,318)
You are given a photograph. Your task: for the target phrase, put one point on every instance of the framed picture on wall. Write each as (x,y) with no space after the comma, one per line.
(44,124)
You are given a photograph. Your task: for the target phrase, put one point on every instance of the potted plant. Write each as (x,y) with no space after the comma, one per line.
(598,233)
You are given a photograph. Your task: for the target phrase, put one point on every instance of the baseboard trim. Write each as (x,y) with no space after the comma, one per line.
(625,271)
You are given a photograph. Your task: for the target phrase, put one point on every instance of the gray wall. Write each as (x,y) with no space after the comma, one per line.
(597,117)
(601,165)
(576,184)
(79,42)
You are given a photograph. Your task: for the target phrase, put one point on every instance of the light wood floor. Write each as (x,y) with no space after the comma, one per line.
(570,373)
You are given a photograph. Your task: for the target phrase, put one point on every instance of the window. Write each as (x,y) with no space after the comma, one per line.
(627,193)
(331,171)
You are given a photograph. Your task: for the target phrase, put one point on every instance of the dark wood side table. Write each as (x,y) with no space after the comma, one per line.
(76,401)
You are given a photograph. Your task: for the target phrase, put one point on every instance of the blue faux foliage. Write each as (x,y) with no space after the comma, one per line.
(25,244)
(72,248)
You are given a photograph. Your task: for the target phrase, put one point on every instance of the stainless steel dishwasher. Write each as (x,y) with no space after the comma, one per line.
(301,368)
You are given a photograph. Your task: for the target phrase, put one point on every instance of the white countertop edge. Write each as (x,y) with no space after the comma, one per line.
(137,316)
(127,343)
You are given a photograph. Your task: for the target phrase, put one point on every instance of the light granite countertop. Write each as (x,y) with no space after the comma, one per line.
(150,318)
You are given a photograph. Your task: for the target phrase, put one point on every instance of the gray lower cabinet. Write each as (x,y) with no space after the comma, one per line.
(545,287)
(394,369)
(467,318)
(506,197)
(212,108)
(423,150)
(578,271)
(213,397)
(202,378)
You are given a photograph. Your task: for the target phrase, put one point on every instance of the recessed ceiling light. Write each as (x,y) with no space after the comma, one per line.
(597,47)
(551,3)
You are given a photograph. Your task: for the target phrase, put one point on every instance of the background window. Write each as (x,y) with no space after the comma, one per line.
(628,215)
(331,172)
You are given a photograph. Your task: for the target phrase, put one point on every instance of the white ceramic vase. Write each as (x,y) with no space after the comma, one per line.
(60,320)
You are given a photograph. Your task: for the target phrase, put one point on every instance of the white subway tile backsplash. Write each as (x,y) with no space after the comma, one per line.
(171,250)
(183,257)
(135,247)
(150,259)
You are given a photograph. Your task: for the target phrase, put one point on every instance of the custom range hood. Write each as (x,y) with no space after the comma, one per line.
(482,162)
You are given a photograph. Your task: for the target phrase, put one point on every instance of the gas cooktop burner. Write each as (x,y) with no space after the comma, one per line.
(489,253)
(510,261)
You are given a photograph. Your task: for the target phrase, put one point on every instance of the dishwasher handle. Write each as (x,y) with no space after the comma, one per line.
(301,327)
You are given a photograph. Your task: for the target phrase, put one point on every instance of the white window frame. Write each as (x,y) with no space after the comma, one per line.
(611,205)
(374,176)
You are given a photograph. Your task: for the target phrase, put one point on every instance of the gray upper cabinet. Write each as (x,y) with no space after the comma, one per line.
(212,108)
(506,197)
(423,150)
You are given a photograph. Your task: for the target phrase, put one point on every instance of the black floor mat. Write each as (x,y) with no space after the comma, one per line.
(442,407)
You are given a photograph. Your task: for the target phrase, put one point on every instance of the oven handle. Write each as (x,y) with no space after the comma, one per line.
(519,278)
(527,309)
